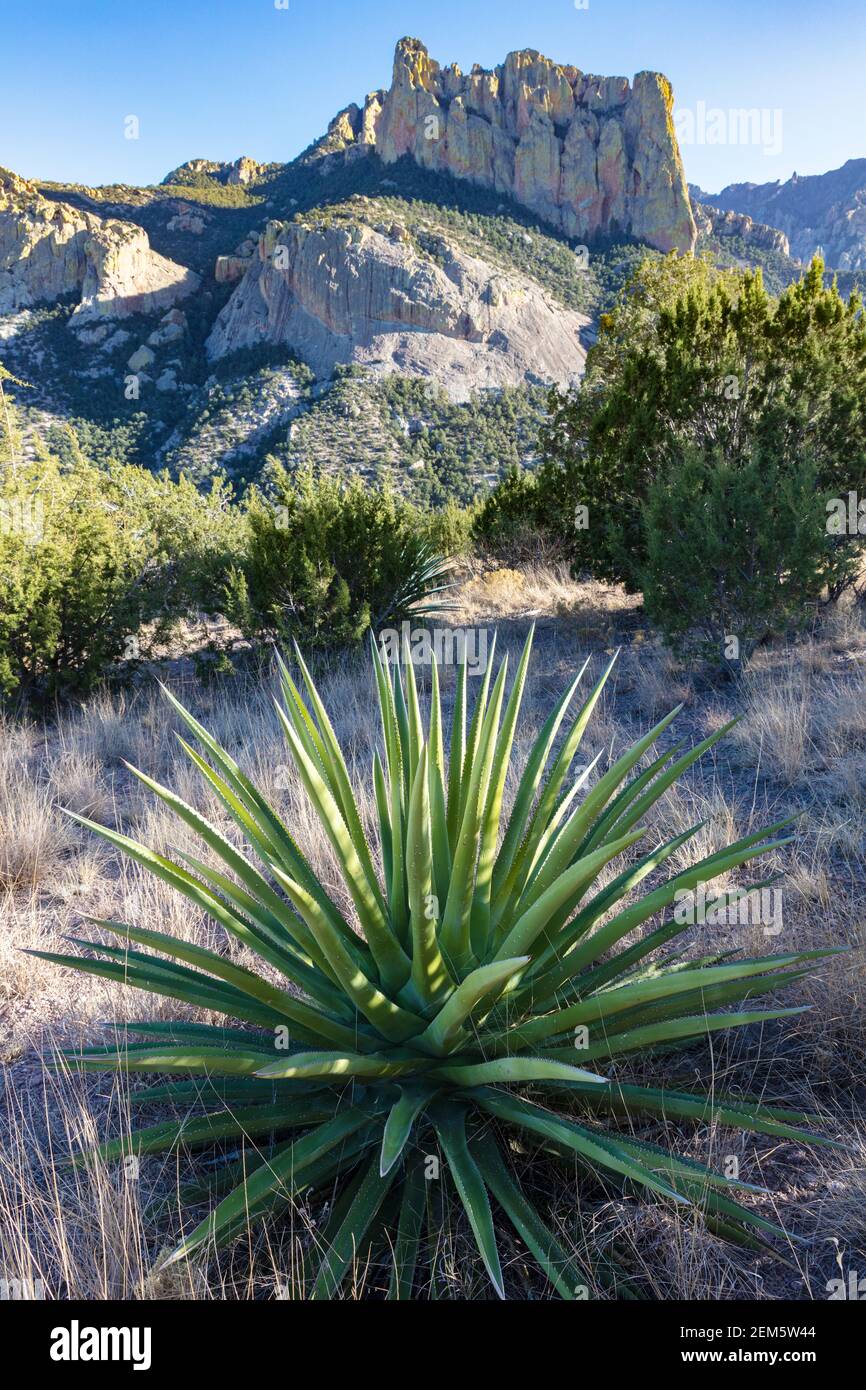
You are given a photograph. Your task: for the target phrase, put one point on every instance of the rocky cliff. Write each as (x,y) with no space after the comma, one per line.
(243,171)
(712,221)
(51,249)
(339,293)
(824,213)
(592,155)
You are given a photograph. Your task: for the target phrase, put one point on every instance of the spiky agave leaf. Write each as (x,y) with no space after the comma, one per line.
(476,954)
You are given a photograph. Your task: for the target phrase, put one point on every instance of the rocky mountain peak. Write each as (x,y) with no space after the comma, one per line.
(591,155)
(413,66)
(716,222)
(13,186)
(242,171)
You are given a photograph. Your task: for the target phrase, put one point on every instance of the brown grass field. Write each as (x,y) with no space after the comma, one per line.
(800,747)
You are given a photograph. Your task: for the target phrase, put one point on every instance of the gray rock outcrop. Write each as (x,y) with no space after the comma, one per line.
(340,294)
(819,213)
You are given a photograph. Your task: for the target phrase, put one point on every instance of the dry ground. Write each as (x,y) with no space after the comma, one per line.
(800,746)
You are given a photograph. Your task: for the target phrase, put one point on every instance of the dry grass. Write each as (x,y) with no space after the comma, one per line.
(799,748)
(33,842)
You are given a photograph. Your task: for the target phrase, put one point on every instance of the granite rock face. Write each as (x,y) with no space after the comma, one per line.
(229,269)
(49,250)
(186,222)
(243,171)
(592,155)
(711,221)
(351,293)
(124,276)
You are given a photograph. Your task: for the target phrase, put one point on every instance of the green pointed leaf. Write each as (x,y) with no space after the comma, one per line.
(524,858)
(430,975)
(596,1148)
(564,1273)
(345,1242)
(481,907)
(438,809)
(457,756)
(673,1030)
(199,1130)
(194,1061)
(123,973)
(448,1028)
(473,740)
(504,1070)
(310,1019)
(300,1066)
(390,958)
(407,1243)
(710,1108)
(455,932)
(388,1018)
(414,1098)
(339,773)
(601,1007)
(528,787)
(450,1122)
(283,1174)
(566,889)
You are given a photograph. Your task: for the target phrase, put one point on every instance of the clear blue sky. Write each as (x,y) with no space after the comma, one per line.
(221,78)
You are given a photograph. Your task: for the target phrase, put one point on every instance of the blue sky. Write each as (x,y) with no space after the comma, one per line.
(221,78)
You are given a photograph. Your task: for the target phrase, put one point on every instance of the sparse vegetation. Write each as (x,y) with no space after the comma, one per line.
(737,550)
(97,565)
(695,358)
(88,1232)
(699,458)
(433,449)
(438,449)
(482,964)
(503,234)
(213,194)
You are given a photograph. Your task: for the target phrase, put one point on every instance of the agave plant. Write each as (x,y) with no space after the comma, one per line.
(482,971)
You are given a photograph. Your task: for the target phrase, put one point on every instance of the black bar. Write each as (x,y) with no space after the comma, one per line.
(213,1338)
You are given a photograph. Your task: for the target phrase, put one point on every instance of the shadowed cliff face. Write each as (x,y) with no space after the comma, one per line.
(369,296)
(48,250)
(592,155)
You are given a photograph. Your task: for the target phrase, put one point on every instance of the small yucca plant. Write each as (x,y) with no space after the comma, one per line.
(427,576)
(481,959)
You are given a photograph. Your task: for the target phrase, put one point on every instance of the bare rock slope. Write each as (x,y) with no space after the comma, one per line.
(351,293)
(592,155)
(49,250)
